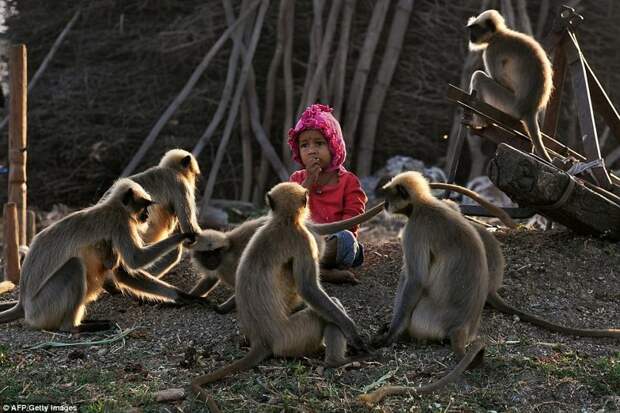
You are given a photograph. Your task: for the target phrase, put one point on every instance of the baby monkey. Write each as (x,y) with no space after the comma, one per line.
(216,254)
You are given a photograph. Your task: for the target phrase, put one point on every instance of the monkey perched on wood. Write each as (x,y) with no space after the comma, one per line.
(278,271)
(518,78)
(64,269)
(444,281)
(496,265)
(216,254)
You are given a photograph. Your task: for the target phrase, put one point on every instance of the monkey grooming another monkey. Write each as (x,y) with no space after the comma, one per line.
(171,185)
(216,254)
(518,77)
(444,280)
(64,270)
(272,282)
(496,265)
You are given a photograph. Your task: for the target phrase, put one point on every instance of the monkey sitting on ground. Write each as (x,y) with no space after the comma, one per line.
(518,78)
(496,265)
(171,185)
(216,254)
(64,270)
(444,280)
(278,271)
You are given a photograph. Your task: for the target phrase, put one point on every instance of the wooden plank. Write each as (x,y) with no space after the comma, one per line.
(537,185)
(478,211)
(552,112)
(602,104)
(459,95)
(455,149)
(500,133)
(584,110)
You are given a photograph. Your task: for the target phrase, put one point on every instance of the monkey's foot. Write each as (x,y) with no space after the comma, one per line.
(335,276)
(478,361)
(187,299)
(348,361)
(382,340)
(8,305)
(93,326)
(474,122)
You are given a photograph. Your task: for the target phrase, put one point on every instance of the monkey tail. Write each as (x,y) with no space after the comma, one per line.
(473,357)
(333,227)
(533,130)
(254,356)
(494,209)
(12,314)
(499,304)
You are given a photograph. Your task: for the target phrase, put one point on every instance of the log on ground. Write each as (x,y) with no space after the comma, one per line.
(546,189)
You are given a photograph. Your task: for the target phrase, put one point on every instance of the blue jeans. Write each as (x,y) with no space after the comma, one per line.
(349,252)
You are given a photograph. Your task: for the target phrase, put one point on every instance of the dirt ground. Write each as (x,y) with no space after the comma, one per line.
(569,279)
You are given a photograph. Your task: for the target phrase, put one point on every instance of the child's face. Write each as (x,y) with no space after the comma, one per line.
(313,149)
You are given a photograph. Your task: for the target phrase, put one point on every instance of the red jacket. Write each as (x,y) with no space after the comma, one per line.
(329,203)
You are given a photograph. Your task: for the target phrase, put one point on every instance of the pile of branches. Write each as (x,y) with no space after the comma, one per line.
(384,65)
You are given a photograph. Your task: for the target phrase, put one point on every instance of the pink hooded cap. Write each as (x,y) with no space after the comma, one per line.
(319,117)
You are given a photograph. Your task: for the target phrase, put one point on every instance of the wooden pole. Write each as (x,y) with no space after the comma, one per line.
(11,254)
(18,73)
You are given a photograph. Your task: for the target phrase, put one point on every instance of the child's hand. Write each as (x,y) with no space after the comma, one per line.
(313,170)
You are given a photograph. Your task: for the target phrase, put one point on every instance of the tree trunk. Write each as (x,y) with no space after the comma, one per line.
(379,90)
(263,171)
(534,184)
(229,83)
(525,25)
(356,91)
(315,49)
(234,109)
(246,151)
(319,73)
(202,66)
(336,81)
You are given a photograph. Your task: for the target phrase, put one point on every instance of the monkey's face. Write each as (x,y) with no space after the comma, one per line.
(137,205)
(210,248)
(209,259)
(397,199)
(483,27)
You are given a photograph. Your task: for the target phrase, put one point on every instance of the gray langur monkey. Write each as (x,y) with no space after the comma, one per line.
(171,185)
(443,285)
(518,77)
(272,282)
(64,268)
(497,264)
(216,254)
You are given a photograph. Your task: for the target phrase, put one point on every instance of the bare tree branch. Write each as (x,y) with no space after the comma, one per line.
(379,90)
(356,91)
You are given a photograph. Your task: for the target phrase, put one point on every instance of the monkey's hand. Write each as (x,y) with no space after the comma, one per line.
(184,298)
(383,337)
(189,239)
(356,342)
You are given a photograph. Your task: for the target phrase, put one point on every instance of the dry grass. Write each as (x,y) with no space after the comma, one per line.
(567,278)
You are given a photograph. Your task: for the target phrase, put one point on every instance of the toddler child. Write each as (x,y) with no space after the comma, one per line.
(317,144)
